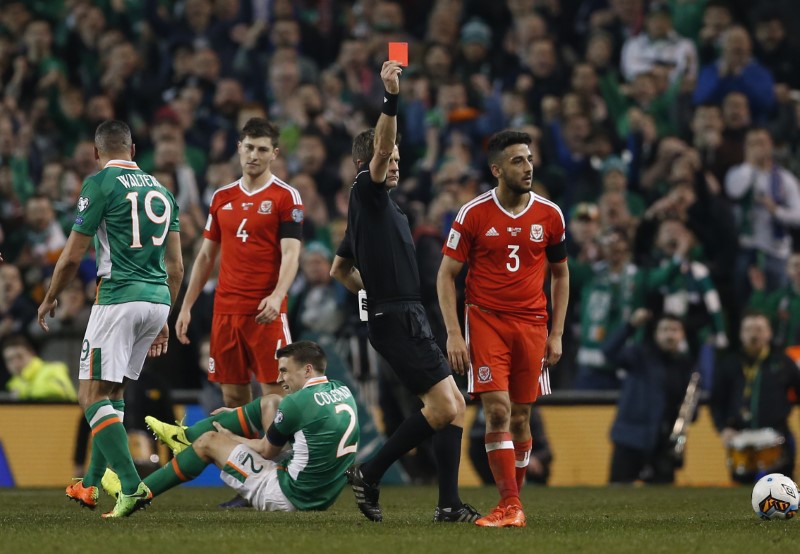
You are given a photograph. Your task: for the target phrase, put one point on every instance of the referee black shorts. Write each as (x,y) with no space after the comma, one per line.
(400,332)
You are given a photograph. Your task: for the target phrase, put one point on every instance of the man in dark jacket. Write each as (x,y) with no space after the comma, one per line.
(658,372)
(752,390)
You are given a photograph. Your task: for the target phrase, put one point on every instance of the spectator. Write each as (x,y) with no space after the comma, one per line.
(751,391)
(659,45)
(17,310)
(31,377)
(657,374)
(717,19)
(767,206)
(781,306)
(611,290)
(736,70)
(317,306)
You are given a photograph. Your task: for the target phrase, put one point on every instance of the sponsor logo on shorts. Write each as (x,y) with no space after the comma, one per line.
(537,233)
(265,207)
(212,366)
(484,374)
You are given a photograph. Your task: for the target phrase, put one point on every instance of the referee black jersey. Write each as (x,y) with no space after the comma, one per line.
(379,239)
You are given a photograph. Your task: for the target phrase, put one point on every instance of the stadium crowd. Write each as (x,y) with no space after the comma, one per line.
(667,132)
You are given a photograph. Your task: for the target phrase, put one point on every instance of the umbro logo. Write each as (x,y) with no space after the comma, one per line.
(227,206)
(492,233)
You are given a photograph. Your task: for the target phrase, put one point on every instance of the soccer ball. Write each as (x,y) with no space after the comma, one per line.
(775,496)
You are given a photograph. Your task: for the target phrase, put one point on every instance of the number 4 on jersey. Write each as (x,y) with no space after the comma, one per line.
(241,233)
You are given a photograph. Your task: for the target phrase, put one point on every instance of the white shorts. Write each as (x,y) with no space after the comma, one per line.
(117,339)
(256,480)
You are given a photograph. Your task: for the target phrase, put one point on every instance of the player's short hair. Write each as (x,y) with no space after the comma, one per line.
(502,140)
(113,136)
(257,127)
(305,352)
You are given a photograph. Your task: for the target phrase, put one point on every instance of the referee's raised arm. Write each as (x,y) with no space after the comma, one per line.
(386,128)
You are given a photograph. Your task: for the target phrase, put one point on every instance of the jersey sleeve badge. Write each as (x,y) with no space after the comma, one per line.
(83,203)
(297,215)
(453,239)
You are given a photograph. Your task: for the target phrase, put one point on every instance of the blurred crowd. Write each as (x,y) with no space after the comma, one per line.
(667,131)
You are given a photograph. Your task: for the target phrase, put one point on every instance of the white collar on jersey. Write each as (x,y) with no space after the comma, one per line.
(509,214)
(315,381)
(266,185)
(127,164)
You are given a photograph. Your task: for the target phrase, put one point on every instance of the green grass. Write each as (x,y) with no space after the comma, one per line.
(616,519)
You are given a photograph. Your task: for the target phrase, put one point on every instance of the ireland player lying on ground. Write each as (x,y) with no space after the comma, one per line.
(317,416)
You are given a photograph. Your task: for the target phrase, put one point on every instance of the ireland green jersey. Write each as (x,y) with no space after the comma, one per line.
(130,214)
(322,420)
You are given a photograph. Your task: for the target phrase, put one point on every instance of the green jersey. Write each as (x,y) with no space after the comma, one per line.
(130,214)
(322,421)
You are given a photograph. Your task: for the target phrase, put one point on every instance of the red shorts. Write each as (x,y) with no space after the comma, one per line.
(240,347)
(506,354)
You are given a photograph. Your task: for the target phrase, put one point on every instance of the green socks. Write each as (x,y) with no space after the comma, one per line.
(244,421)
(184,467)
(97,462)
(111,441)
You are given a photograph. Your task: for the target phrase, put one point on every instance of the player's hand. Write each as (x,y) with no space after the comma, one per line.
(182,326)
(457,353)
(390,75)
(47,307)
(553,349)
(268,309)
(160,343)
(222,430)
(222,410)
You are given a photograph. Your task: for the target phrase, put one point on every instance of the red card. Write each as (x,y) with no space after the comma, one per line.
(398,52)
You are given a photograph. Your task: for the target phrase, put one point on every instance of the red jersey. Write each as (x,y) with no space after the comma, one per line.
(248,227)
(506,253)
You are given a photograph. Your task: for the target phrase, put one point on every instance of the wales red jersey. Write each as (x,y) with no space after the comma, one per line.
(248,226)
(507,253)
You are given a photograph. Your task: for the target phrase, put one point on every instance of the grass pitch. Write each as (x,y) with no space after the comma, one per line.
(615,519)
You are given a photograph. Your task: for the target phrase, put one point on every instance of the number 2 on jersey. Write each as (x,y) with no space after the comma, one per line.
(164,218)
(240,232)
(344,450)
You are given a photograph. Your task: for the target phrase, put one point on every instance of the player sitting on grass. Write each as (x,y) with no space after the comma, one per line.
(318,417)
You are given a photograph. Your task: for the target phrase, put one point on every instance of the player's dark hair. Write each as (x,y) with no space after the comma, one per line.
(364,146)
(502,140)
(113,137)
(257,127)
(305,352)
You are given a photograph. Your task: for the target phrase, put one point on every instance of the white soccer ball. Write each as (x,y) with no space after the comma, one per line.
(775,496)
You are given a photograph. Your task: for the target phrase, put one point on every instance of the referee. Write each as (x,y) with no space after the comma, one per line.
(377,254)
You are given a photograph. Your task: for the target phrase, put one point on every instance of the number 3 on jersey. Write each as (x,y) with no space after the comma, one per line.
(513,265)
(241,233)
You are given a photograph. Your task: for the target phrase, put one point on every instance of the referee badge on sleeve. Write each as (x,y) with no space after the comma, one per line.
(453,239)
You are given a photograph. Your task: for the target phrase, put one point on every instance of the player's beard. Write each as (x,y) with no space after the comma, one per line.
(519,186)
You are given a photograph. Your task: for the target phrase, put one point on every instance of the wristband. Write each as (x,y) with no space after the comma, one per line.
(390,103)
